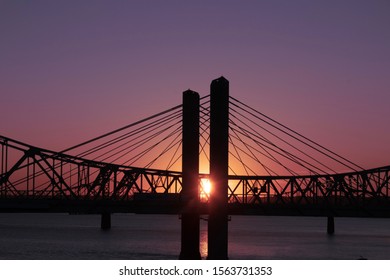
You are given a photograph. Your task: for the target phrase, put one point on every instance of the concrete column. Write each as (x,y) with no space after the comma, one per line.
(219,149)
(330,225)
(105,221)
(190,168)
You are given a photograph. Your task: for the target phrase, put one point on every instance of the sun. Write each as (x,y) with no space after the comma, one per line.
(206,186)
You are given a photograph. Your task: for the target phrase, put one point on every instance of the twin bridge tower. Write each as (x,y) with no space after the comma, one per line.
(218,202)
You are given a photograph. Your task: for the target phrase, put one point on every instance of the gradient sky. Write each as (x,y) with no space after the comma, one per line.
(72,70)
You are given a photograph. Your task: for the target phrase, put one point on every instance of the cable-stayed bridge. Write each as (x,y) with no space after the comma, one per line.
(272,170)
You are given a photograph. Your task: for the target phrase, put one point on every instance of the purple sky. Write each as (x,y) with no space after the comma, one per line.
(72,70)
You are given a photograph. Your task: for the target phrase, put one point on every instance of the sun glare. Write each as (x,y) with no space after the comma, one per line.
(206,185)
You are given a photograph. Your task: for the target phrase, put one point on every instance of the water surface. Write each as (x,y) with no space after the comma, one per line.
(63,236)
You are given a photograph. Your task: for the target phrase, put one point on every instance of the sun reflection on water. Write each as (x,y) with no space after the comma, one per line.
(203,240)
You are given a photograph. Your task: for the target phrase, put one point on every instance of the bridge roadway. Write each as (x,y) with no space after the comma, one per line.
(171,205)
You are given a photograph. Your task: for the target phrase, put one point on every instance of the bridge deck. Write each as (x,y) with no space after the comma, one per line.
(170,206)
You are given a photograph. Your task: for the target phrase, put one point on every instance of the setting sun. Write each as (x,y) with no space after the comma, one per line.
(206,186)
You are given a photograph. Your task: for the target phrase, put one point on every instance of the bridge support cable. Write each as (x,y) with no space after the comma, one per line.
(126,151)
(148,124)
(140,142)
(204,126)
(252,149)
(120,129)
(256,117)
(205,141)
(176,142)
(152,145)
(135,139)
(249,152)
(157,120)
(135,134)
(175,157)
(237,156)
(252,134)
(269,146)
(204,134)
(73,173)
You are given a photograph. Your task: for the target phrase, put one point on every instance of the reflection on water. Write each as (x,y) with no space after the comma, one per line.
(203,239)
(61,236)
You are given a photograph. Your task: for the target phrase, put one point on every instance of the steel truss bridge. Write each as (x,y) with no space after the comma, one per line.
(99,175)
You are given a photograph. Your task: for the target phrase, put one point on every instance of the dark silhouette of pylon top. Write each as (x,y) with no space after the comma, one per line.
(219,164)
(190,183)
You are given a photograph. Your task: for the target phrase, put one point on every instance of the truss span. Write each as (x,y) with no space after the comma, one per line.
(33,173)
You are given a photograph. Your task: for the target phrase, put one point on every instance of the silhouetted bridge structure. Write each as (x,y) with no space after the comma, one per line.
(97,187)
(99,175)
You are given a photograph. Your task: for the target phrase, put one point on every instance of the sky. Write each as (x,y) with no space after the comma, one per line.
(72,70)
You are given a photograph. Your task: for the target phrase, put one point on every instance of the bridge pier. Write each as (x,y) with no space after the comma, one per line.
(105,222)
(219,156)
(190,224)
(330,225)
